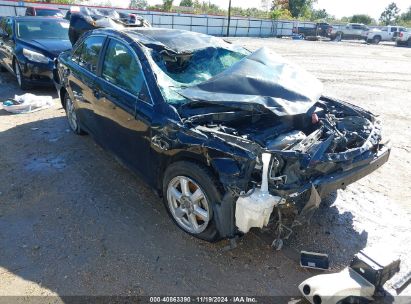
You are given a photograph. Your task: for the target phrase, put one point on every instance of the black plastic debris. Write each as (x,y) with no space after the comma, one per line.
(376,268)
(314,260)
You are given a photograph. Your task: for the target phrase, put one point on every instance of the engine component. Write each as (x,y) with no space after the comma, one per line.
(285,140)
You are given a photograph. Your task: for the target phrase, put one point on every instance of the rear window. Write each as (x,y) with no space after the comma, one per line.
(48,13)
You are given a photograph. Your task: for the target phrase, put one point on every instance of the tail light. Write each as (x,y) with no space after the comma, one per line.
(401,34)
(330,29)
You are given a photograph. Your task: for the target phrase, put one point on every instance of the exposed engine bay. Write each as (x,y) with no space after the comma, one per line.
(327,133)
(325,140)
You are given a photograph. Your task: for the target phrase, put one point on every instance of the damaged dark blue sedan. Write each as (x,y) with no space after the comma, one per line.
(230,139)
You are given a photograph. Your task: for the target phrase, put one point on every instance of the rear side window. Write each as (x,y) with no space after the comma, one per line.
(122,69)
(8,27)
(88,53)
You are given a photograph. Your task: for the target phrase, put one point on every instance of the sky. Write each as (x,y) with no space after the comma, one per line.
(338,8)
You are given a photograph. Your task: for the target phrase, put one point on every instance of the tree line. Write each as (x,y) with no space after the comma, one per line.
(278,9)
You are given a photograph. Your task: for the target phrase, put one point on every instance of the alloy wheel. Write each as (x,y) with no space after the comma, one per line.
(71,114)
(188,204)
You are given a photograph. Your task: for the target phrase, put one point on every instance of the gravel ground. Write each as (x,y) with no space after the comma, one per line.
(73,221)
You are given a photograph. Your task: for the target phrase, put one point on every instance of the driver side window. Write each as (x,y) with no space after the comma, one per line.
(122,69)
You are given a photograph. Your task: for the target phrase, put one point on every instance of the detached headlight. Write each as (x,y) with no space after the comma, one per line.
(34,56)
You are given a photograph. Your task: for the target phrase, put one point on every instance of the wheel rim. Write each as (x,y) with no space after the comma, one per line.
(18,73)
(188,204)
(71,114)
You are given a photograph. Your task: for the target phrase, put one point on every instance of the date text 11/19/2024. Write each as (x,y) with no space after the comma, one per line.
(204,299)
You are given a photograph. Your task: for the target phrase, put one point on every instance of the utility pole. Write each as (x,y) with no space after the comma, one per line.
(229,18)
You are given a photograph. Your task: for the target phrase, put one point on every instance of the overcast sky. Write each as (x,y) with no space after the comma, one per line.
(339,8)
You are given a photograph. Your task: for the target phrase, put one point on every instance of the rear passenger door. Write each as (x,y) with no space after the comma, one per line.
(81,78)
(124,107)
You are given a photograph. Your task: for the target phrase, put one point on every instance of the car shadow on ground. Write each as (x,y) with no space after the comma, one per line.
(74,221)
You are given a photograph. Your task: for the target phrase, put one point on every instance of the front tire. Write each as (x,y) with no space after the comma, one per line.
(72,115)
(19,76)
(190,192)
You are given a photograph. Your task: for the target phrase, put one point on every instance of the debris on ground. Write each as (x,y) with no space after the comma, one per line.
(363,280)
(314,260)
(26,103)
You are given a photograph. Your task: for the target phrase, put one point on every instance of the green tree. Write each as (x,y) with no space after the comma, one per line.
(297,8)
(187,3)
(390,15)
(319,14)
(281,14)
(361,18)
(139,4)
(167,5)
(407,15)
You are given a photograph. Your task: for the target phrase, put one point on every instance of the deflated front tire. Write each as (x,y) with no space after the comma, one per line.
(190,192)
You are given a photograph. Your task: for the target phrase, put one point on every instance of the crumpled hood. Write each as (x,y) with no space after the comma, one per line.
(263,79)
(51,47)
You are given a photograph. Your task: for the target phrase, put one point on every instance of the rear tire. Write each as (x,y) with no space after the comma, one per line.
(190,192)
(409,42)
(72,115)
(376,39)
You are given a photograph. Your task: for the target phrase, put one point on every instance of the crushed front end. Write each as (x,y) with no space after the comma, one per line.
(327,148)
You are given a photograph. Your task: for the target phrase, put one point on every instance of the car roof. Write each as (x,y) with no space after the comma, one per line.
(36,18)
(174,40)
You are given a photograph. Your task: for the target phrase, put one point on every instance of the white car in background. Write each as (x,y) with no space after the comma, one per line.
(386,33)
(404,38)
(351,31)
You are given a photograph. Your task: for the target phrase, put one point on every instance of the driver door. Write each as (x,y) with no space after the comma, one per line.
(123,107)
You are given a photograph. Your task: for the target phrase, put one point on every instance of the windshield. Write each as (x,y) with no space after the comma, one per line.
(43,29)
(181,71)
(49,12)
